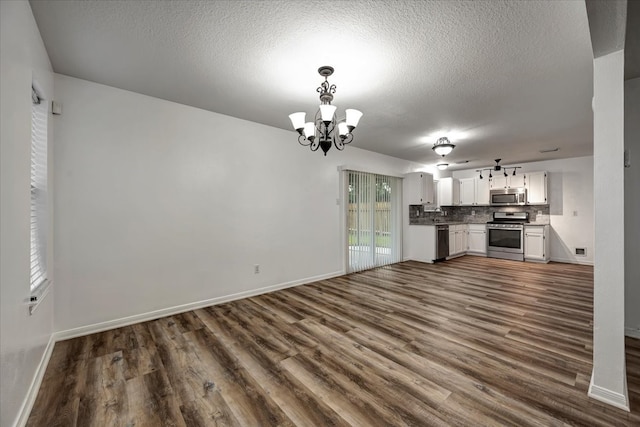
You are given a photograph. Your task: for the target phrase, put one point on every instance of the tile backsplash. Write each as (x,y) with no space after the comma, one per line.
(538,214)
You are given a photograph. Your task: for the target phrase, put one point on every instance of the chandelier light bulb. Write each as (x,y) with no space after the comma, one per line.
(310,130)
(353,117)
(326,112)
(297,120)
(343,129)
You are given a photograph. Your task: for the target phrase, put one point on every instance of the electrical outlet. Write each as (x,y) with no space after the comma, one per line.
(256,269)
(539,212)
(473,213)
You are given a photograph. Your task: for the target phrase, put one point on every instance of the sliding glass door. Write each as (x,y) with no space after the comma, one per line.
(373,220)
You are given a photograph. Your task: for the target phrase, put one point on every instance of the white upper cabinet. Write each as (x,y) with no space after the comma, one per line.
(518,180)
(509,181)
(449,191)
(482,191)
(474,191)
(468,191)
(419,188)
(537,188)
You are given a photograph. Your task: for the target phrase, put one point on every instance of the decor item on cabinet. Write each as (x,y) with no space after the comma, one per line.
(498,168)
(443,146)
(325,130)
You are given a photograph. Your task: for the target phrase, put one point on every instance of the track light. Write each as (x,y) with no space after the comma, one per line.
(497,168)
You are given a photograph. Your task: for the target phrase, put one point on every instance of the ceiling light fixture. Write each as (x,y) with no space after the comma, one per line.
(325,131)
(497,168)
(443,146)
(442,166)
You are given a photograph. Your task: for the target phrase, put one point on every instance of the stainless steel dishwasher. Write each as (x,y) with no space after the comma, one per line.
(442,242)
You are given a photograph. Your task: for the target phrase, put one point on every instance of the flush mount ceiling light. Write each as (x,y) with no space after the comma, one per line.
(498,168)
(443,146)
(325,130)
(442,166)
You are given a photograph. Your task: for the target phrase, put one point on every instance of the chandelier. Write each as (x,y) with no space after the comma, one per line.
(325,130)
(443,146)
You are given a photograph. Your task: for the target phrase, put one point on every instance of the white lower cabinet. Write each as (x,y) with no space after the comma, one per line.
(422,243)
(477,239)
(457,239)
(536,243)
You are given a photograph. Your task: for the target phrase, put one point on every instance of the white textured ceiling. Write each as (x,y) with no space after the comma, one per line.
(500,78)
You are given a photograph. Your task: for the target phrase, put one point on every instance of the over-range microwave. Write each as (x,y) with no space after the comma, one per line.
(508,197)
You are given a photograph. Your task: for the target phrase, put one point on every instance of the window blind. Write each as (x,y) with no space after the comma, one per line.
(373,220)
(39,215)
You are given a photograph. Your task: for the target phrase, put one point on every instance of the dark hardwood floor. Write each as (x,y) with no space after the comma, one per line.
(470,342)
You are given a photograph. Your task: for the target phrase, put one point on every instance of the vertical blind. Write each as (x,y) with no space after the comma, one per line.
(39,215)
(374,222)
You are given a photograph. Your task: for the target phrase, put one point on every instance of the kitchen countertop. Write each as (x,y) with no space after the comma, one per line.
(539,224)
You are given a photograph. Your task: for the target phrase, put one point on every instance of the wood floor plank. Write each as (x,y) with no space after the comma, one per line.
(471,341)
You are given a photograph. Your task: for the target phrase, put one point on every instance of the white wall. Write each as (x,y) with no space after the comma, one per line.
(632,207)
(570,195)
(159,204)
(608,382)
(23,338)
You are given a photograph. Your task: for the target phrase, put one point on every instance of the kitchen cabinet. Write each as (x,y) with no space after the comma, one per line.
(482,192)
(468,191)
(474,191)
(477,239)
(421,243)
(510,181)
(419,188)
(457,239)
(449,191)
(536,243)
(536,188)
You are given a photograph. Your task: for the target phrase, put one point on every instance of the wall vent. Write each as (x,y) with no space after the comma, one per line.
(581,251)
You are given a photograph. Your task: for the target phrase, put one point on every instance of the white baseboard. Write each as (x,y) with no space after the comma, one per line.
(169,311)
(571,261)
(632,332)
(483,254)
(34,387)
(609,397)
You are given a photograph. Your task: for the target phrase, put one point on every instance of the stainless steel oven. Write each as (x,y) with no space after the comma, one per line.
(505,235)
